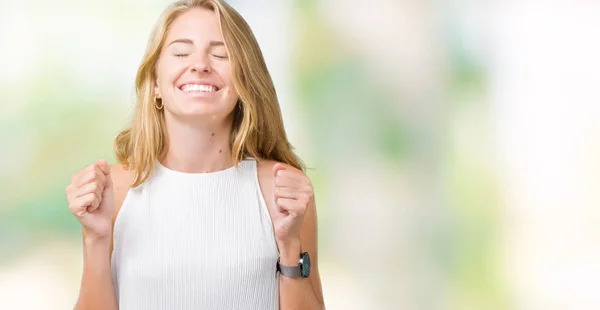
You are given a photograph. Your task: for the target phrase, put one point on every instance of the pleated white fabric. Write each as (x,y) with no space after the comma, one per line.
(196,241)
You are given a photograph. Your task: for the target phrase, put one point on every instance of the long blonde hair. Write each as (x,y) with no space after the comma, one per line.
(257,130)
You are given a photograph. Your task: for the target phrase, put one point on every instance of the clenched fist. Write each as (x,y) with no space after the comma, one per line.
(91,199)
(292,192)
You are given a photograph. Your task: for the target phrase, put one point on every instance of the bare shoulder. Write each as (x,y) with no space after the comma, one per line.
(265,179)
(265,170)
(122,180)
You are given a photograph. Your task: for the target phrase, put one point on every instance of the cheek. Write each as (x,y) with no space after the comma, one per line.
(166,72)
(160,75)
(227,80)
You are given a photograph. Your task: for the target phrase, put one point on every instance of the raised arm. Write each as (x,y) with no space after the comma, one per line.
(95,196)
(289,196)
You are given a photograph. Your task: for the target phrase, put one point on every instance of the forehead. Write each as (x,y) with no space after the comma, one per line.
(196,24)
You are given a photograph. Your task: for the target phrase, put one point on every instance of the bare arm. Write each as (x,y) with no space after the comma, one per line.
(97,289)
(296,293)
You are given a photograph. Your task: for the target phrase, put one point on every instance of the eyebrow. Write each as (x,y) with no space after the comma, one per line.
(216,43)
(188,41)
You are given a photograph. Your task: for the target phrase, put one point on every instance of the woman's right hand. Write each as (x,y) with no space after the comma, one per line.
(91,200)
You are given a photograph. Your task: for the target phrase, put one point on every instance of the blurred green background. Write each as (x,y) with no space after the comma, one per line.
(454,145)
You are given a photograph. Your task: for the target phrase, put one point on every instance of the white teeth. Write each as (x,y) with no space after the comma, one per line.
(198,88)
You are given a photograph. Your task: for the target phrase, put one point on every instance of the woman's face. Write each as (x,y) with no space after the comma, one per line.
(193,71)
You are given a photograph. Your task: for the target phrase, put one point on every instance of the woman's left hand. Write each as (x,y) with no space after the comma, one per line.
(292,192)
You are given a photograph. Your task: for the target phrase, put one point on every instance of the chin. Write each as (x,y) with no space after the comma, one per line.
(202,110)
(202,105)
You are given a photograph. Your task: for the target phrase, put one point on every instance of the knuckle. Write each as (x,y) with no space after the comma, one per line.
(74,204)
(90,175)
(88,198)
(77,209)
(73,210)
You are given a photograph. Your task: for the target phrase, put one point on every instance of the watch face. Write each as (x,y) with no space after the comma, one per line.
(305,265)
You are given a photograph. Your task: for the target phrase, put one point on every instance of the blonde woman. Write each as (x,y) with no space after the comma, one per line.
(208,207)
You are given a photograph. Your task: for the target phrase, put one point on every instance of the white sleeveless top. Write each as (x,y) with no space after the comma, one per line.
(196,241)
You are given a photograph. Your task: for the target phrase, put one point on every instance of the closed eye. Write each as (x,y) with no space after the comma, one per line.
(220,57)
(181,55)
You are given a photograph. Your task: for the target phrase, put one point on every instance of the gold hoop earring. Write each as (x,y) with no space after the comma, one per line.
(158,107)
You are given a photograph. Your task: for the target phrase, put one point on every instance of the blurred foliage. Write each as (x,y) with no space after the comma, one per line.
(57,132)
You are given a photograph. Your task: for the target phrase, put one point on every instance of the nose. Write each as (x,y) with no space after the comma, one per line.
(201,64)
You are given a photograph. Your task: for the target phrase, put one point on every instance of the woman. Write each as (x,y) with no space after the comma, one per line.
(208,207)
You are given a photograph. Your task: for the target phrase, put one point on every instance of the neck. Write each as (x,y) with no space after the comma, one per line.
(196,148)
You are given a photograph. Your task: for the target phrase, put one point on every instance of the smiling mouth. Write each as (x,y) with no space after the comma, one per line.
(198,88)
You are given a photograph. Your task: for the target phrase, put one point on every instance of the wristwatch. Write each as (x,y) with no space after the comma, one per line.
(302,270)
